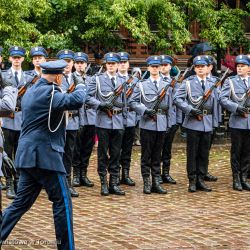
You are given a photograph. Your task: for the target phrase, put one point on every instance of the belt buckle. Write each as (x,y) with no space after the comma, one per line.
(86,106)
(248,110)
(159,111)
(70,115)
(204,111)
(115,112)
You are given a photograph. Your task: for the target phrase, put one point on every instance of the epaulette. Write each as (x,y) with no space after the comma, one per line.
(232,77)
(190,78)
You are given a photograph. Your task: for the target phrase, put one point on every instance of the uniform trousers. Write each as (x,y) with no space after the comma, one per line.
(198,144)
(151,148)
(84,145)
(109,147)
(69,150)
(167,146)
(127,145)
(240,151)
(31,182)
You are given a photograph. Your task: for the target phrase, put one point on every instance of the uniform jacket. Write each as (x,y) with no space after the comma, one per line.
(9,123)
(139,104)
(87,115)
(183,100)
(99,87)
(38,147)
(73,122)
(230,97)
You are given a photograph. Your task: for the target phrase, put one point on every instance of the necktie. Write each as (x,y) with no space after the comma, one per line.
(203,85)
(113,81)
(67,79)
(155,82)
(245,81)
(16,77)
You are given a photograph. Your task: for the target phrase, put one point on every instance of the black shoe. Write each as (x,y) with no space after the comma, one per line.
(2,185)
(104,186)
(156,187)
(192,186)
(84,180)
(245,184)
(76,177)
(126,178)
(114,187)
(160,179)
(200,185)
(210,177)
(10,192)
(237,183)
(73,192)
(168,179)
(146,185)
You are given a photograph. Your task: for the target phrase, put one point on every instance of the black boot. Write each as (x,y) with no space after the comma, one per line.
(72,191)
(192,186)
(236,182)
(166,178)
(156,187)
(10,192)
(84,180)
(2,185)
(114,187)
(200,185)
(210,177)
(76,177)
(126,178)
(146,185)
(104,186)
(244,183)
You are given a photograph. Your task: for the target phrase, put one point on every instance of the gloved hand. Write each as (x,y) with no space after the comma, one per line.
(150,112)
(195,112)
(105,105)
(241,110)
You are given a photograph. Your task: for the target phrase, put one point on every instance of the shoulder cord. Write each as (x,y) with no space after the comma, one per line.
(99,92)
(189,95)
(144,96)
(50,106)
(233,94)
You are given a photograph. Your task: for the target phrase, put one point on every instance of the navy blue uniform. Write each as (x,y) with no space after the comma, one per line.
(39,159)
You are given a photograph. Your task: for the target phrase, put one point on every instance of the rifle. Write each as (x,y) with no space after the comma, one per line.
(131,89)
(244,102)
(163,92)
(73,85)
(23,89)
(117,92)
(208,93)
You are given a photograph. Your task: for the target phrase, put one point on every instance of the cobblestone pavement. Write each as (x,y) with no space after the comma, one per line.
(178,220)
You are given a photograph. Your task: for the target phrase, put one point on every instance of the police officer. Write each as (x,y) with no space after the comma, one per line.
(129,123)
(109,128)
(73,118)
(187,97)
(97,67)
(214,79)
(12,126)
(39,55)
(153,123)
(40,152)
(233,97)
(7,103)
(176,119)
(86,134)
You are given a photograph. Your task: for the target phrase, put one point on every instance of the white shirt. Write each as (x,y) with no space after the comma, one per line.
(246,81)
(69,78)
(201,80)
(19,73)
(110,76)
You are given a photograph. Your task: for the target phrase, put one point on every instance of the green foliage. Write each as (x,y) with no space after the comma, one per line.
(162,24)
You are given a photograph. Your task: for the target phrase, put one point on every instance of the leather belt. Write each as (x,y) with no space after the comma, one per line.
(116,111)
(17,109)
(207,112)
(162,111)
(72,115)
(129,109)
